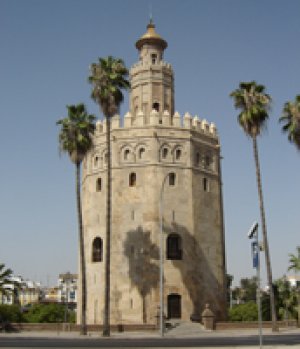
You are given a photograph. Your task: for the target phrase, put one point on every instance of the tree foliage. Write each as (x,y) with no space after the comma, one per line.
(254,104)
(75,136)
(5,279)
(243,312)
(109,78)
(10,313)
(291,121)
(50,313)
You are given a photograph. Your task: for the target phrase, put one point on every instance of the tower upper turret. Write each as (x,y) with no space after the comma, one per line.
(152,82)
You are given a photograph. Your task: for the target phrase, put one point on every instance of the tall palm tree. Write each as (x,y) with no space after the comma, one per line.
(294,264)
(291,119)
(108,77)
(75,138)
(254,104)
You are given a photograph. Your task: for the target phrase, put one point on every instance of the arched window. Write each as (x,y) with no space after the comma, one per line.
(155,106)
(99,184)
(164,153)
(174,248)
(96,161)
(178,154)
(172,178)
(142,153)
(207,161)
(126,154)
(132,179)
(97,250)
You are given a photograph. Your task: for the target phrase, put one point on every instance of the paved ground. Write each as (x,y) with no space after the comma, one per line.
(179,330)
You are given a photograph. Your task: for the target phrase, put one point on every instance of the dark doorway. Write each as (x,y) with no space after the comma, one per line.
(174,306)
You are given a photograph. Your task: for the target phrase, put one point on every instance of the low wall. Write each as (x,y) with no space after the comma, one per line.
(58,327)
(226,325)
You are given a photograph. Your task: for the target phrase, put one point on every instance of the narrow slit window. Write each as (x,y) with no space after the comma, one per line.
(205,184)
(172,178)
(198,159)
(99,184)
(132,179)
(97,250)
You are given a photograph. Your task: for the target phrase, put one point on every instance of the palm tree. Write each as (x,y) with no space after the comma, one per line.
(291,118)
(75,138)
(294,264)
(254,104)
(5,280)
(108,77)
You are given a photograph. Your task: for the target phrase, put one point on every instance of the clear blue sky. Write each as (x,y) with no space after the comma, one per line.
(46,49)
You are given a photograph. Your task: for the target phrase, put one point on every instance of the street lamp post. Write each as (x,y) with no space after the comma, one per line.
(253,234)
(161,257)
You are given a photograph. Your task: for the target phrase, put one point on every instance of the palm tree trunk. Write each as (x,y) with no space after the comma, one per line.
(106,320)
(83,327)
(265,237)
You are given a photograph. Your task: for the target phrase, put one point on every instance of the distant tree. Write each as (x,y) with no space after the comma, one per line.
(75,138)
(294,261)
(294,264)
(243,312)
(254,103)
(10,313)
(5,280)
(285,298)
(249,289)
(48,313)
(291,119)
(109,78)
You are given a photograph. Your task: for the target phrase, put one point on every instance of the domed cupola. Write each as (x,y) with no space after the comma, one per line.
(151,38)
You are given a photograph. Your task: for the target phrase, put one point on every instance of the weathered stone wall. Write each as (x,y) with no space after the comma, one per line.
(189,210)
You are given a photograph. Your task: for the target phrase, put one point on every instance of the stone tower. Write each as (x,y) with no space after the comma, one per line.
(156,156)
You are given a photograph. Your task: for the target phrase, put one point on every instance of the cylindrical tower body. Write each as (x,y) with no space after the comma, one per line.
(151,145)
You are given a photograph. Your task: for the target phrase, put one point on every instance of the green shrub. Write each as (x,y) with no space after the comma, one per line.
(10,313)
(243,312)
(46,313)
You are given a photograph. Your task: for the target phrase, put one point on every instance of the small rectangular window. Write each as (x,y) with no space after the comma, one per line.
(153,58)
(172,178)
(205,184)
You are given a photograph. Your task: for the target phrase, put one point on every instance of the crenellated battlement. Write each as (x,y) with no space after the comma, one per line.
(160,120)
(136,67)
